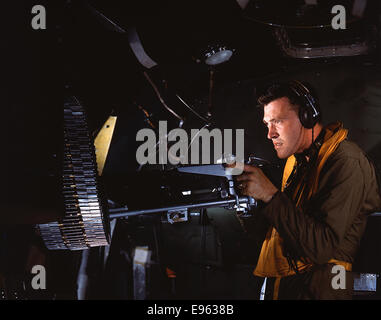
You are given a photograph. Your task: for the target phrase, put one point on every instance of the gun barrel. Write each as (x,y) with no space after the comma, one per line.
(124,212)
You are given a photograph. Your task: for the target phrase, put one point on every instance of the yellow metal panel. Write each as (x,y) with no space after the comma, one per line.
(102,142)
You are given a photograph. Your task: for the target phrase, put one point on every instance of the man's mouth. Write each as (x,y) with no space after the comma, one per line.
(277,145)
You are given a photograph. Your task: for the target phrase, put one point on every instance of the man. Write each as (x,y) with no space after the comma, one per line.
(317,219)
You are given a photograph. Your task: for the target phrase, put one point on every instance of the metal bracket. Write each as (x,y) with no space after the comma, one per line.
(177,216)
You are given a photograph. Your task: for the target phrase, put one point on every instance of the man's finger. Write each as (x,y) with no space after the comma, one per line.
(249,168)
(243,177)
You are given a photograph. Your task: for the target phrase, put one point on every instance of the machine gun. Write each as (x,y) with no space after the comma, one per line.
(195,192)
(173,193)
(90,204)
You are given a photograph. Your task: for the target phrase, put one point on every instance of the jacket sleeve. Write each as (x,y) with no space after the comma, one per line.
(317,231)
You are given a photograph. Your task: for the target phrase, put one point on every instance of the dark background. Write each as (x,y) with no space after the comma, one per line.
(82,54)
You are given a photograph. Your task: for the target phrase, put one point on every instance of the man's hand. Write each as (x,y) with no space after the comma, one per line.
(253,182)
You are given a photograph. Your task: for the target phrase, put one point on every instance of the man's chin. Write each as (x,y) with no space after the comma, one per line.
(281,155)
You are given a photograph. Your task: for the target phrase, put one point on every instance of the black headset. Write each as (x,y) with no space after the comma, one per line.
(309,113)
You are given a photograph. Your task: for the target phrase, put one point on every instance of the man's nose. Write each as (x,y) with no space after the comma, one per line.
(271,134)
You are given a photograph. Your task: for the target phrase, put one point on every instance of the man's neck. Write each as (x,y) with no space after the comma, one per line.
(311,137)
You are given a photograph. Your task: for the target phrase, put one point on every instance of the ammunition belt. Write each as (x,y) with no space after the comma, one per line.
(84,223)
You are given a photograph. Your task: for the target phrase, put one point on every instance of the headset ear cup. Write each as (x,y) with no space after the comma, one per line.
(302,116)
(306,117)
(309,113)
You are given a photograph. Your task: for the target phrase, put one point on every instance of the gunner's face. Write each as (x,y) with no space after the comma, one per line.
(284,127)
